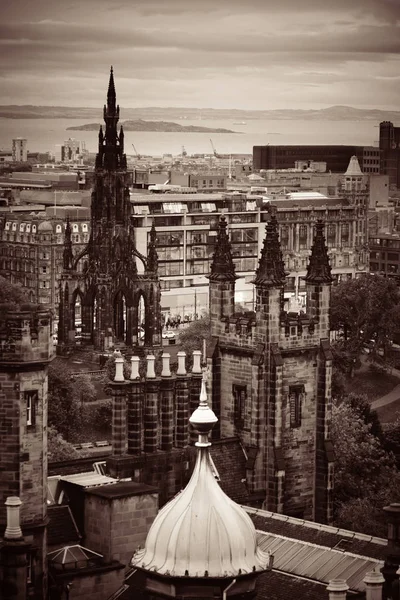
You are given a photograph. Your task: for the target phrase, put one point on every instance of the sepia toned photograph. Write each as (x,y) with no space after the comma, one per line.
(200,300)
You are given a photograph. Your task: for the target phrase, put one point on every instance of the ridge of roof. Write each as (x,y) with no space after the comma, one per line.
(319,526)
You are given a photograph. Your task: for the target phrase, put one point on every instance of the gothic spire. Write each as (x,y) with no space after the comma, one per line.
(271,269)
(319,269)
(67,252)
(222,266)
(152,257)
(111,144)
(111,95)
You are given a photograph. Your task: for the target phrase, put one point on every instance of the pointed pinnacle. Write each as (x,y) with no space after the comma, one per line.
(111,96)
(319,268)
(222,266)
(271,268)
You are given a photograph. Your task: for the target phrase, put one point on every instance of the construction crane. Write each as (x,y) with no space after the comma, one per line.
(139,156)
(214,150)
(216,154)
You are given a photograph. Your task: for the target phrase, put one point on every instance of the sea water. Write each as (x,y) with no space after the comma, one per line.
(45,134)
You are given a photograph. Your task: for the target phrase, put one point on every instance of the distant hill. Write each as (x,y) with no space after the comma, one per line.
(333,113)
(161,126)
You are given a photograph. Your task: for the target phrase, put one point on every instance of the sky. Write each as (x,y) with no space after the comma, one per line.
(250,54)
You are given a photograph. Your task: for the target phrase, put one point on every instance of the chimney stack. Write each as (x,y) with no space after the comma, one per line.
(373,585)
(337,589)
(13,555)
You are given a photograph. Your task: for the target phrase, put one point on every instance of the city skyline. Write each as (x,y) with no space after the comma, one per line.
(255,55)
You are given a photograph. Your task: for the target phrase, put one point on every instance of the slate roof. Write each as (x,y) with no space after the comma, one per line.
(62,528)
(230,462)
(318,563)
(317,533)
(280,586)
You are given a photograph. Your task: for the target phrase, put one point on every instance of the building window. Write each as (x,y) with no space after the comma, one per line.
(239,398)
(44,269)
(331,235)
(296,397)
(31,398)
(303,237)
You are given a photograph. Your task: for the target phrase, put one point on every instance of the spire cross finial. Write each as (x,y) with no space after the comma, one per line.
(203,392)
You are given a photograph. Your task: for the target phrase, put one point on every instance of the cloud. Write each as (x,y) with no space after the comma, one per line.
(201,50)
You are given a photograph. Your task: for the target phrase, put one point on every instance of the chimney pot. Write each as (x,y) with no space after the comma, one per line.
(197,362)
(151,374)
(13,530)
(119,367)
(166,370)
(373,584)
(337,589)
(181,363)
(135,360)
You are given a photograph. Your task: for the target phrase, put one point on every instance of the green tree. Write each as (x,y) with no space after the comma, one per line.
(67,395)
(366,477)
(58,448)
(12,294)
(192,337)
(365,309)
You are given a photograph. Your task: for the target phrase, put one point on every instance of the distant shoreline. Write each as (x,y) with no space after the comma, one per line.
(155,126)
(167,114)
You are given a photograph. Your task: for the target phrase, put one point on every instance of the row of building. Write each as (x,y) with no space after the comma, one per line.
(384,160)
(31,240)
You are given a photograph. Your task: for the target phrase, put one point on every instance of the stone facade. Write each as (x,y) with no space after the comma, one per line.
(104,277)
(271,378)
(118,518)
(31,252)
(25,352)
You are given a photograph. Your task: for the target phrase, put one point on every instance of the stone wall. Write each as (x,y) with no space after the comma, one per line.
(99,583)
(25,351)
(115,526)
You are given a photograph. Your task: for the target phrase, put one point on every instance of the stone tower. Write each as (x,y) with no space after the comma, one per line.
(25,351)
(271,381)
(104,277)
(355,188)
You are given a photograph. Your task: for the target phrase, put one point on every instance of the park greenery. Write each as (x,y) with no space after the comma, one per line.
(12,294)
(366,474)
(365,313)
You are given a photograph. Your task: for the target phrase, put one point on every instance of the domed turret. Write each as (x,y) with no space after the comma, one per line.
(45,226)
(202,532)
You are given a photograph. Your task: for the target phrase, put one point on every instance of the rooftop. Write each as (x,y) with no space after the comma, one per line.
(318,533)
(122,489)
(88,479)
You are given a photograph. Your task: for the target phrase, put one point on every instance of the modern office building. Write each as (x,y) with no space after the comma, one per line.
(389,143)
(336,157)
(385,255)
(186,229)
